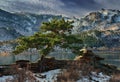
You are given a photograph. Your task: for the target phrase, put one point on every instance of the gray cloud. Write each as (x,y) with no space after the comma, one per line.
(64,7)
(109,4)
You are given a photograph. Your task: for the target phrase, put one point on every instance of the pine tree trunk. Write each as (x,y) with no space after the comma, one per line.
(41,63)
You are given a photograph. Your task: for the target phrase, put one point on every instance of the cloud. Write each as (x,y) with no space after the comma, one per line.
(64,7)
(34,6)
(109,4)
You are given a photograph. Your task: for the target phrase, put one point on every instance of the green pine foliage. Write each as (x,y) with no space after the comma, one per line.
(57,32)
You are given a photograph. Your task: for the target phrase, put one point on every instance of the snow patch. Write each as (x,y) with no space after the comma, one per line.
(5,78)
(94,77)
(51,76)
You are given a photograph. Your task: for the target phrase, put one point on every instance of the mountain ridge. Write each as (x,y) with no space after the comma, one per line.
(107,22)
(100,28)
(22,23)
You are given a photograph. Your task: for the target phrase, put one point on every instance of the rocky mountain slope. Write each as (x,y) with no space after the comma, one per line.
(13,25)
(103,26)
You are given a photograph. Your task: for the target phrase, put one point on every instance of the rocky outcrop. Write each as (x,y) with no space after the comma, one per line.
(95,61)
(87,60)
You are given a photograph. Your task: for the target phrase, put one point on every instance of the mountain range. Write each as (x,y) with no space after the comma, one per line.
(100,28)
(102,25)
(13,25)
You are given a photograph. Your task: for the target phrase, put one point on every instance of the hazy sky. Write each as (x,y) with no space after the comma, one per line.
(65,7)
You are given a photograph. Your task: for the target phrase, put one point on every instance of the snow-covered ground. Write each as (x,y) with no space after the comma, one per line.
(50,76)
(5,78)
(100,77)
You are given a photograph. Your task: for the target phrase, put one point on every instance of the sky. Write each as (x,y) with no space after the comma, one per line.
(60,7)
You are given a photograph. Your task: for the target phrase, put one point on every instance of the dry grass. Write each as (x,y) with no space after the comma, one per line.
(74,72)
(21,75)
(115,78)
(77,70)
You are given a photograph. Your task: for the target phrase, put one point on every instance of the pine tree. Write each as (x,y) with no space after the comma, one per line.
(56,32)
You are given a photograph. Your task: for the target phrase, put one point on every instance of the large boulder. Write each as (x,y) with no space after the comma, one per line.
(88,54)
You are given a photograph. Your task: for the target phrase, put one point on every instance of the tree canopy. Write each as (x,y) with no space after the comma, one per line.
(56,32)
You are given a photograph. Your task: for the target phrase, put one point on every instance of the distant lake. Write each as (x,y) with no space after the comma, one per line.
(111,57)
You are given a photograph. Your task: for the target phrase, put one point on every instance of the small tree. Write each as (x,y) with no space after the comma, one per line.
(57,32)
